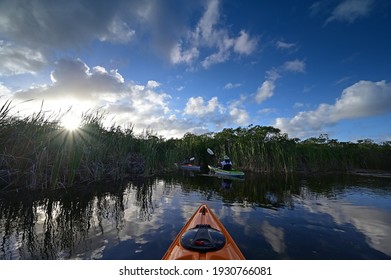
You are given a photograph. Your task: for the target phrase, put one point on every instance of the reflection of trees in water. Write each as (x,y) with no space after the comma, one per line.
(53,227)
(264,190)
(16,220)
(144,191)
(275,190)
(65,225)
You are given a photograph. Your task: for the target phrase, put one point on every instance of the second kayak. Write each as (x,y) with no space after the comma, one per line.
(189,167)
(203,238)
(226,173)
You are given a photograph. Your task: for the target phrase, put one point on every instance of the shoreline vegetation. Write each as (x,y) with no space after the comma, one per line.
(38,153)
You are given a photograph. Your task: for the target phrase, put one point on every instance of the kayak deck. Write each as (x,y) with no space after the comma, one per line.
(205,219)
(228,173)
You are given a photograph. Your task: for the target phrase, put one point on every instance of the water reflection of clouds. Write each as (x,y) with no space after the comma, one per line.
(373,223)
(165,204)
(236,213)
(137,228)
(131,224)
(274,236)
(244,216)
(137,221)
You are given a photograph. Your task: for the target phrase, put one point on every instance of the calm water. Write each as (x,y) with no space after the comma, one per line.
(296,217)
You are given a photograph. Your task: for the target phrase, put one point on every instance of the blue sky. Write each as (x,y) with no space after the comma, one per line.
(305,67)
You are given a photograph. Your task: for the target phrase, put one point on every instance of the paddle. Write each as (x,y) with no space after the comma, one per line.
(209,150)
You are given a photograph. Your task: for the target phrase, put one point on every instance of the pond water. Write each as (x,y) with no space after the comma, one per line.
(270,217)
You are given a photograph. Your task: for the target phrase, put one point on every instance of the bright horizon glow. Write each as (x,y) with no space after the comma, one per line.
(70,122)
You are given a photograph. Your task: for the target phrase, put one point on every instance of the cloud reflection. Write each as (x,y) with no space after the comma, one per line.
(373,223)
(274,236)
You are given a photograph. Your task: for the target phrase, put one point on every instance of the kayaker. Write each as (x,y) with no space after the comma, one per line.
(226,164)
(188,161)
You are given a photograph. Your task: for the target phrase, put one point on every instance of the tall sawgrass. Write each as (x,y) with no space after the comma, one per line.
(266,149)
(36,152)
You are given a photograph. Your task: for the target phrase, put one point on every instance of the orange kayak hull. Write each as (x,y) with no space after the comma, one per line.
(204,216)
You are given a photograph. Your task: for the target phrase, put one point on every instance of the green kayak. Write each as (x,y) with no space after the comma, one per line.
(226,173)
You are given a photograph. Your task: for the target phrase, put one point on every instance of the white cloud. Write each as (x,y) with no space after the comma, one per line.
(198,107)
(350,10)
(232,86)
(294,66)
(225,45)
(141,106)
(238,113)
(245,45)
(153,84)
(118,31)
(16,60)
(210,41)
(5,92)
(239,116)
(75,84)
(273,74)
(205,27)
(178,55)
(204,35)
(267,111)
(45,28)
(73,78)
(298,105)
(220,56)
(285,46)
(215,115)
(265,91)
(363,99)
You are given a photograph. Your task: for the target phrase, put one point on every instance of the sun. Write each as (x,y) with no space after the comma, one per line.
(70,122)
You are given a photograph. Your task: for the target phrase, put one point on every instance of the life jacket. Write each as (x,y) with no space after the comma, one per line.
(227,164)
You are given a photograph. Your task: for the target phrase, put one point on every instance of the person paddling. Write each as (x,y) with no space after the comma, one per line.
(226,164)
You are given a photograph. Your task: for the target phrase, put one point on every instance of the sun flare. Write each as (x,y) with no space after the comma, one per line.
(71,122)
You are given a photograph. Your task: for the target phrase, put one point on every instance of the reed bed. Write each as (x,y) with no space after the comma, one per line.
(36,152)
